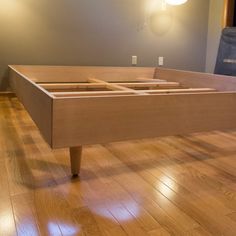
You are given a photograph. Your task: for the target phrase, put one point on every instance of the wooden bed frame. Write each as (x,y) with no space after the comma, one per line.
(75,106)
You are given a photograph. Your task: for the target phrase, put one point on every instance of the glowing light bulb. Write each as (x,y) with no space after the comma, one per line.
(176,2)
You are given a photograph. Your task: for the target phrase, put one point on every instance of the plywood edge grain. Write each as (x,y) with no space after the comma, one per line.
(37,101)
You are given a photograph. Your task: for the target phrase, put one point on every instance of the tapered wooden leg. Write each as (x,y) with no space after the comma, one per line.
(75,159)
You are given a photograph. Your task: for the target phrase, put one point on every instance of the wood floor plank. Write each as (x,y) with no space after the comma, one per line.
(120,207)
(25,215)
(91,195)
(202,173)
(191,207)
(105,220)
(126,219)
(7,222)
(232,216)
(143,196)
(119,194)
(85,218)
(198,232)
(115,231)
(159,232)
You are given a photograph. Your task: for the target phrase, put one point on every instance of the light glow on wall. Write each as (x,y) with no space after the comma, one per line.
(10,8)
(176,2)
(154,5)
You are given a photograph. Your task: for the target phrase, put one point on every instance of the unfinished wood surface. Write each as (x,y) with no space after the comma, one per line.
(53,86)
(197,79)
(111,86)
(150,84)
(189,90)
(97,93)
(37,102)
(115,87)
(83,73)
(90,120)
(75,159)
(181,185)
(101,84)
(131,92)
(86,89)
(178,104)
(91,84)
(133,87)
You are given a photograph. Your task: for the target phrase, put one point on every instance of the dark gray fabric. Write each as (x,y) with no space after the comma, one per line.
(226,58)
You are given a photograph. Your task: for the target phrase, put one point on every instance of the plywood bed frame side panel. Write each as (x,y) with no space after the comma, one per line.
(80,121)
(42,74)
(197,79)
(36,101)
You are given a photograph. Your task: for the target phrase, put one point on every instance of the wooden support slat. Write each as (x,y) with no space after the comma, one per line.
(150,79)
(98,84)
(118,87)
(70,85)
(188,90)
(140,92)
(95,93)
(94,80)
(148,84)
(154,82)
(110,86)
(144,84)
(115,86)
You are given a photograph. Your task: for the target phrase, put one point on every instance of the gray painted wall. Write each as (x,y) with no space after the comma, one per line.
(102,32)
(214,33)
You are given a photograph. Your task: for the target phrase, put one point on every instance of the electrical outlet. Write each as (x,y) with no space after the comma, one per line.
(134,60)
(160,61)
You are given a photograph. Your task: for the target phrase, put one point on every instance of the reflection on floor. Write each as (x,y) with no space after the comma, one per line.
(182,185)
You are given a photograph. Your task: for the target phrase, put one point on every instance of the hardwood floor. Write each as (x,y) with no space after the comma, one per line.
(166,186)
